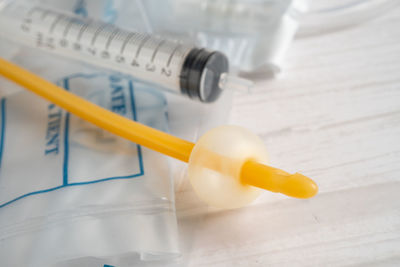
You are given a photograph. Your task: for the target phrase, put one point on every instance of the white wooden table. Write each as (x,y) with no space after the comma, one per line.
(334,116)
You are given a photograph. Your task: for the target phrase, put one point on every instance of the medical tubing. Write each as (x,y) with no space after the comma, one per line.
(114,123)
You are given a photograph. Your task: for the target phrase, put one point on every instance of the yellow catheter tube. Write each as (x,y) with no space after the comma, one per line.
(276,180)
(252,173)
(105,119)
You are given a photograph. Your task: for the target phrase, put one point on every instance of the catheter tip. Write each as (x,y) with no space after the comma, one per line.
(299,186)
(276,180)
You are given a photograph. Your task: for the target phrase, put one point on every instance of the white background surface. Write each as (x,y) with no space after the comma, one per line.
(334,116)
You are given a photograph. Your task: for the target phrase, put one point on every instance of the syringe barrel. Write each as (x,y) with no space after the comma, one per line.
(177,67)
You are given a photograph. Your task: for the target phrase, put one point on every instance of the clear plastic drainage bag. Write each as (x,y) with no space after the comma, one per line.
(69,190)
(254,34)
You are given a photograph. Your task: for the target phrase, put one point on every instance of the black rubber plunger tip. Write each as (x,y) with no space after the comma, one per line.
(201,74)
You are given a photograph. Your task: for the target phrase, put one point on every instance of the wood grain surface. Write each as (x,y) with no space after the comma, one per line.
(334,116)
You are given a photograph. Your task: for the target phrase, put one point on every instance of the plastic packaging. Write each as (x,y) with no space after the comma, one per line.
(321,17)
(255,35)
(110,202)
(190,124)
(103,196)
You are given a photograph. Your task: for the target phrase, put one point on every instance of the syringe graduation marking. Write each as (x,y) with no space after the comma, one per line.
(138,40)
(145,39)
(82,30)
(148,57)
(55,22)
(156,50)
(129,36)
(69,25)
(111,38)
(173,53)
(97,32)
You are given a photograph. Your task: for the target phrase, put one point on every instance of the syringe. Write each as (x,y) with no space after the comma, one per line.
(175,66)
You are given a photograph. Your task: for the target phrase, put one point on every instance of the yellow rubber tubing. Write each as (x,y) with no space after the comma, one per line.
(105,119)
(252,173)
